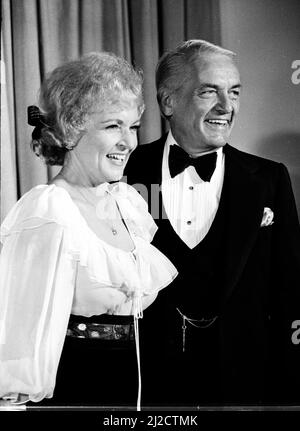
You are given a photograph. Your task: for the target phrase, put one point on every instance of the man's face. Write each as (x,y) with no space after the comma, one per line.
(203,110)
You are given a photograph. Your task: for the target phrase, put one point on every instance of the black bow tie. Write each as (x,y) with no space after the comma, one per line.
(179,160)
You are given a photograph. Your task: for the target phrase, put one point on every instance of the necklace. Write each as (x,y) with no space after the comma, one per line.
(102,213)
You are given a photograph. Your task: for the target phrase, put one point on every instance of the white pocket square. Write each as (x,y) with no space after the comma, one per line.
(268,216)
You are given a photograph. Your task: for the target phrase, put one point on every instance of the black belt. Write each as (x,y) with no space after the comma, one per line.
(104,327)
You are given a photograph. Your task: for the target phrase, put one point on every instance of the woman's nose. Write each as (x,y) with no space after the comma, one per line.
(128,141)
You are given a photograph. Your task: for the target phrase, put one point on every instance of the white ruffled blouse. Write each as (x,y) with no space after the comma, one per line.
(52,264)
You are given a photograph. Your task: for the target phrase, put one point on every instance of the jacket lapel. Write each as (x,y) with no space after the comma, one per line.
(244,203)
(155,161)
(145,164)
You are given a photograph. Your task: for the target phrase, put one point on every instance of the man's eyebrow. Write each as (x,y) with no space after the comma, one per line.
(236,86)
(216,87)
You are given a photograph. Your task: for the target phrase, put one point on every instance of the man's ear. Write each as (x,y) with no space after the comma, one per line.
(167,102)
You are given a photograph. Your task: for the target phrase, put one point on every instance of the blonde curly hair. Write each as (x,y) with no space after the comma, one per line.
(72,92)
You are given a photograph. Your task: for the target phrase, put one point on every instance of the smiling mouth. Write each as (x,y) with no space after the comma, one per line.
(115,157)
(218,123)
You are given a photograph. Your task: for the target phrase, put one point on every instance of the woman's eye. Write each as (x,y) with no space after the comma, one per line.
(112,126)
(135,128)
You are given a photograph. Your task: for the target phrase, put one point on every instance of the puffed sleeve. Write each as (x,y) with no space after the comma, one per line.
(36,291)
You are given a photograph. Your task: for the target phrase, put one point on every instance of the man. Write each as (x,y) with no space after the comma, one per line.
(222,333)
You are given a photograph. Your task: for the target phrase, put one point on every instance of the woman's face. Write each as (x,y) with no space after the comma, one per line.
(103,151)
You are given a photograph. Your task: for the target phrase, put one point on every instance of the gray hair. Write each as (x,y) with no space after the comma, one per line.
(172,66)
(73,91)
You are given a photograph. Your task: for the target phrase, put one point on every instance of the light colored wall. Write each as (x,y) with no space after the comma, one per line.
(266,36)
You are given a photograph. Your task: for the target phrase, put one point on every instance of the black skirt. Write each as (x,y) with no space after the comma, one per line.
(97,372)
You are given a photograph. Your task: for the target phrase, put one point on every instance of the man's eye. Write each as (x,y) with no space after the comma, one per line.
(235,94)
(207,93)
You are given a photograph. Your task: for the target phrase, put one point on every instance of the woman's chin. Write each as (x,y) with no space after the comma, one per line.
(113,178)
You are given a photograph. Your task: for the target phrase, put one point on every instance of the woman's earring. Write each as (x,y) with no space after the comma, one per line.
(69,147)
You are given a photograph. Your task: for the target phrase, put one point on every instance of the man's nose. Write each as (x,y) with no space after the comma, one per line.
(224,104)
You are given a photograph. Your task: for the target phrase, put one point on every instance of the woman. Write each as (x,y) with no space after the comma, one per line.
(77,266)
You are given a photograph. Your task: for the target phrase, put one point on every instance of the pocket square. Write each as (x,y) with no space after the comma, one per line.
(268,216)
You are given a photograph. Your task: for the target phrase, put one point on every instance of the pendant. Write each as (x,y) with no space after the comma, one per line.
(199,324)
(183,334)
(114,231)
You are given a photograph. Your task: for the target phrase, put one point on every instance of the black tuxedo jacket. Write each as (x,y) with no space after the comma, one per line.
(258,333)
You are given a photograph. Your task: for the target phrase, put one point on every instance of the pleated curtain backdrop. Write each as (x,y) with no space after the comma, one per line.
(38,35)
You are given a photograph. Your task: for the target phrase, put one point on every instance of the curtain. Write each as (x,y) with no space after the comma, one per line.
(38,35)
